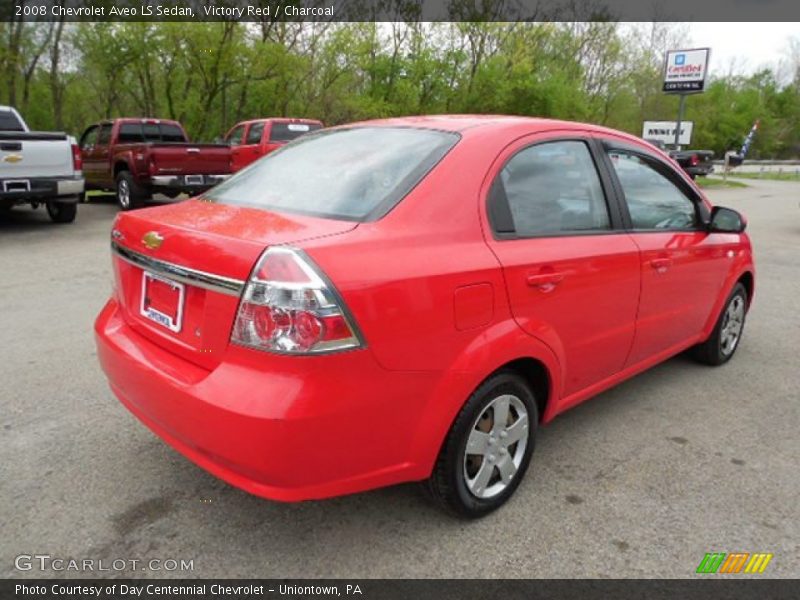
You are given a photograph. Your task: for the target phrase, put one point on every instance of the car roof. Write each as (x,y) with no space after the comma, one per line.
(467,124)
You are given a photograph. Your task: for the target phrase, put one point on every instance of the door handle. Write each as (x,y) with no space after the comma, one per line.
(546,282)
(661,264)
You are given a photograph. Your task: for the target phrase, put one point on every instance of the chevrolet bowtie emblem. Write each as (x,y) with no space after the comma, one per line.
(152,240)
(12,158)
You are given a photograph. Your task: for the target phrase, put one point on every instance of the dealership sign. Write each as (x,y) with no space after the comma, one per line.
(685,70)
(664,131)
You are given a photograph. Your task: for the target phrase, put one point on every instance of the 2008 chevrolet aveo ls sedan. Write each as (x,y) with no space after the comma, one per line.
(410,299)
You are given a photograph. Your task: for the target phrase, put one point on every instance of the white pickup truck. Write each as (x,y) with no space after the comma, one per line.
(39,168)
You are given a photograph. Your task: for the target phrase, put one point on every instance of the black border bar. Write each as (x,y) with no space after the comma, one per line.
(705,587)
(400,10)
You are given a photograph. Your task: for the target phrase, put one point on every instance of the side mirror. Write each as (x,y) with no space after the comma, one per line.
(726,220)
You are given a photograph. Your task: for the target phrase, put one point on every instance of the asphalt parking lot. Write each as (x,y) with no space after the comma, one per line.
(641,481)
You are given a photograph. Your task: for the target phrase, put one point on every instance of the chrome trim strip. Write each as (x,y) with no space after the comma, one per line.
(208,281)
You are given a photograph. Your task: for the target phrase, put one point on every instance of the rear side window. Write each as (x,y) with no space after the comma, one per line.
(355,174)
(654,202)
(553,188)
(9,121)
(254,133)
(286,132)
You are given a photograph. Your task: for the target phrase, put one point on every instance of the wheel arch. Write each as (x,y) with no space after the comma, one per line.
(512,349)
(119,166)
(747,279)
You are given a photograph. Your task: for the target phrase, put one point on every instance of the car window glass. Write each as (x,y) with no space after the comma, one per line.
(356,173)
(130,133)
(254,133)
(171,133)
(553,188)
(235,138)
(654,202)
(286,132)
(89,138)
(9,121)
(104,135)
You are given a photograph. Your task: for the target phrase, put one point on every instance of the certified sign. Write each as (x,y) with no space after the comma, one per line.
(685,70)
(664,132)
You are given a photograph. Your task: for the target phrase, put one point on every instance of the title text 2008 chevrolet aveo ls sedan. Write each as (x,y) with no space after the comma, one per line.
(409,299)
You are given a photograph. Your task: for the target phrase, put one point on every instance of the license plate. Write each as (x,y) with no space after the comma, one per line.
(17,185)
(194,180)
(162,301)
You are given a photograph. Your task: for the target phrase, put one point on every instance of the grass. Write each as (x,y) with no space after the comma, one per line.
(793,175)
(714,182)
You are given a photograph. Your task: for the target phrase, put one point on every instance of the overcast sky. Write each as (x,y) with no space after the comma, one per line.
(750,45)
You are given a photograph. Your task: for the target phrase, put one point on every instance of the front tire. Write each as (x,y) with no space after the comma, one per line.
(488,448)
(130,194)
(61,212)
(721,345)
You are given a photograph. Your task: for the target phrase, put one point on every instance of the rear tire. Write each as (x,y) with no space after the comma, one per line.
(721,345)
(61,212)
(488,448)
(130,194)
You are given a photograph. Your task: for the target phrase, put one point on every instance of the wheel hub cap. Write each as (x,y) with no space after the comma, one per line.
(496,446)
(732,324)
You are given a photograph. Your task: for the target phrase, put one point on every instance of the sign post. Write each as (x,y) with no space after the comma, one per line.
(685,73)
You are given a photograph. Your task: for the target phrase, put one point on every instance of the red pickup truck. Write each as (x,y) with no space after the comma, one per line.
(250,140)
(137,158)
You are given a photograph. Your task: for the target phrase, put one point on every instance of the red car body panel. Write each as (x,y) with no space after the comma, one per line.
(441,303)
(255,144)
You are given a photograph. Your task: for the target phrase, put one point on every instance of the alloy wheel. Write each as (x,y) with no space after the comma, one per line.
(496,446)
(732,324)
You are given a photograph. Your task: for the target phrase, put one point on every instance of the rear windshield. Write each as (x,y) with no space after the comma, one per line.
(131,133)
(286,132)
(9,121)
(356,174)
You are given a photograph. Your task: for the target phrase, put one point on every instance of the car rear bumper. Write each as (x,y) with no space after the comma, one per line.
(304,428)
(190,184)
(700,169)
(22,189)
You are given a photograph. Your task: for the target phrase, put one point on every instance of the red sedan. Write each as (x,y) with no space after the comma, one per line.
(410,299)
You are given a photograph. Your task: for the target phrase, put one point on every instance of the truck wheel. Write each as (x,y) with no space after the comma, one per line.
(129,193)
(61,212)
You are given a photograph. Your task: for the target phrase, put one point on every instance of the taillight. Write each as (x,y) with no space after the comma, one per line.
(288,306)
(694,160)
(77,158)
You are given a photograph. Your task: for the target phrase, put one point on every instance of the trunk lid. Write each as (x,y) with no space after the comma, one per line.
(190,159)
(206,251)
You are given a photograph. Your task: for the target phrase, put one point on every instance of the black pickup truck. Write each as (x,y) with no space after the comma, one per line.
(694,162)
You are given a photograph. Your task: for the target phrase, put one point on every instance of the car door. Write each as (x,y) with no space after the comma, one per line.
(682,266)
(571,271)
(88,145)
(102,172)
(235,138)
(251,148)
